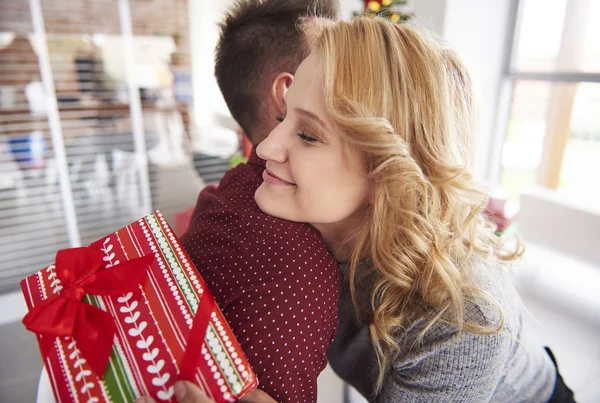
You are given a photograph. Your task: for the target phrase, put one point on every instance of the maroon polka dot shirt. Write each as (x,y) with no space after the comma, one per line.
(273,279)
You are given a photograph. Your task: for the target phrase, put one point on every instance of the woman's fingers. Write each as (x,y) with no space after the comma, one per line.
(145,399)
(257,396)
(185,392)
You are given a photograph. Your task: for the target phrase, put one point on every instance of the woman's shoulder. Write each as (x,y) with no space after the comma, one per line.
(493,310)
(497,301)
(443,362)
(447,365)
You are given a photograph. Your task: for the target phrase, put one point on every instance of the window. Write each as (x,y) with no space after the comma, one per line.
(552,131)
(85,147)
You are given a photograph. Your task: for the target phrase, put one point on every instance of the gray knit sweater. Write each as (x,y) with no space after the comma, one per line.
(448,366)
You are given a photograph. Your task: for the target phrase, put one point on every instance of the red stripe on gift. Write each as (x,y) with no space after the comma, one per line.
(178,316)
(155,292)
(136,360)
(124,341)
(208,304)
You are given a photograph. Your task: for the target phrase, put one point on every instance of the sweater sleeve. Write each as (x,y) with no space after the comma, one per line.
(449,367)
(284,314)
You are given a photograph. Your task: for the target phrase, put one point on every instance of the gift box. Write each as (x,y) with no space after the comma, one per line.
(127,317)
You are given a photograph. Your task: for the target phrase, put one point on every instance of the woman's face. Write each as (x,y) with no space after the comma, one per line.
(310,177)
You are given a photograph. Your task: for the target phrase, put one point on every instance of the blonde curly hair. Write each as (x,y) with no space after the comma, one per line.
(405,100)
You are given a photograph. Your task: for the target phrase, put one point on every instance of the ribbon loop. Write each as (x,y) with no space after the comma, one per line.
(82,272)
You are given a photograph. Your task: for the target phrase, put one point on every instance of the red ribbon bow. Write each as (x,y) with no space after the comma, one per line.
(81,272)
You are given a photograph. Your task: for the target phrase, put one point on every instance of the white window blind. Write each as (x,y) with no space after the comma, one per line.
(122,135)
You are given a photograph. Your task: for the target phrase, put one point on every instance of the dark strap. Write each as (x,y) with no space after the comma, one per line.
(562,393)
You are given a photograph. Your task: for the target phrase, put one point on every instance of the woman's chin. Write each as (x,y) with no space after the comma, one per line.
(264,200)
(269,204)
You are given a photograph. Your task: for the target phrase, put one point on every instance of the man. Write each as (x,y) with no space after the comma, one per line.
(274,280)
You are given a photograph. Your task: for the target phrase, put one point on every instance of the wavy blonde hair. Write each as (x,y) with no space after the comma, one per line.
(406,102)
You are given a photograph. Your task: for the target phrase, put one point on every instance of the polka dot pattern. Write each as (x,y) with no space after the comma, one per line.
(273,279)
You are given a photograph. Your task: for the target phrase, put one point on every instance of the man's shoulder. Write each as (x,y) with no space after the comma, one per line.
(244,221)
(255,248)
(230,210)
(238,185)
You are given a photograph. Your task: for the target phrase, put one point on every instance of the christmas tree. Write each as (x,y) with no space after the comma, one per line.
(394,10)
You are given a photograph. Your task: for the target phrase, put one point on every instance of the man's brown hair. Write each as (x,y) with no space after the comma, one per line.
(259,39)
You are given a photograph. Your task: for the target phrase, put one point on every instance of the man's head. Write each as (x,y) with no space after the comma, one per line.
(260,48)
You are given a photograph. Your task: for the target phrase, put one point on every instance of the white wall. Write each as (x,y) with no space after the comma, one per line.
(348,7)
(430,14)
(204,33)
(478,30)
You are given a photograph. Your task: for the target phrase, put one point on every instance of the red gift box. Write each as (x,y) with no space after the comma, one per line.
(132,306)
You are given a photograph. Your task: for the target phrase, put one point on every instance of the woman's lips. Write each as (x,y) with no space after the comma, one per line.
(271,179)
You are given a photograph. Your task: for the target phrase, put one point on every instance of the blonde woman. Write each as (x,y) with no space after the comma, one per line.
(373,151)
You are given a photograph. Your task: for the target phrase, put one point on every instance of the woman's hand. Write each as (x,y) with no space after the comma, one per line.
(257,396)
(187,392)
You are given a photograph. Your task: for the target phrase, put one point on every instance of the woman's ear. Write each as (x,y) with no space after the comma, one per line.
(280,85)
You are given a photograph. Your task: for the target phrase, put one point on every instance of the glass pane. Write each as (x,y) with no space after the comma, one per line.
(579,177)
(32,223)
(93,104)
(163,71)
(522,151)
(86,56)
(526,136)
(558,36)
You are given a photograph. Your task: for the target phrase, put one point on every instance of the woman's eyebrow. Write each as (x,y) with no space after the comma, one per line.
(313,117)
(309,115)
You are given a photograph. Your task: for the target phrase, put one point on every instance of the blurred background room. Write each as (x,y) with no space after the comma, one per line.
(109,110)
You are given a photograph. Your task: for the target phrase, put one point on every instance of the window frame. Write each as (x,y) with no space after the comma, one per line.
(509,77)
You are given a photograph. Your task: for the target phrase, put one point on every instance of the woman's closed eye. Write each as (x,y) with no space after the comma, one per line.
(302,135)
(306,138)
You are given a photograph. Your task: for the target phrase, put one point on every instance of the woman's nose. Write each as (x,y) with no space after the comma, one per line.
(273,148)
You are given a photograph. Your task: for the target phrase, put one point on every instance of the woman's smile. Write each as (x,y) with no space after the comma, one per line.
(272,179)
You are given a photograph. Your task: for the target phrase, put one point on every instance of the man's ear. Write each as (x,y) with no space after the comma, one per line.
(279,87)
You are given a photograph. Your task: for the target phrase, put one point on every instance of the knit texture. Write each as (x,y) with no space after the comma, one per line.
(448,366)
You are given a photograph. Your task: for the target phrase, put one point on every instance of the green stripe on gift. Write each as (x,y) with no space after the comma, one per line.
(115,377)
(182,279)
(234,380)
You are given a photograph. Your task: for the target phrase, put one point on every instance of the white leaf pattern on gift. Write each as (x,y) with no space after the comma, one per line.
(133,318)
(142,344)
(83,374)
(172,270)
(56,284)
(75,355)
(107,248)
(150,356)
(137,329)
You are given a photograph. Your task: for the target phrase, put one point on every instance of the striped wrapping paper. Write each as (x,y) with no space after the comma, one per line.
(153,323)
